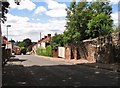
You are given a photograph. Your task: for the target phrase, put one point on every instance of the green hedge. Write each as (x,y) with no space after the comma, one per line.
(49,50)
(41,51)
(44,51)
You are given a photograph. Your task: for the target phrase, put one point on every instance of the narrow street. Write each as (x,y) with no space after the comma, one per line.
(29,70)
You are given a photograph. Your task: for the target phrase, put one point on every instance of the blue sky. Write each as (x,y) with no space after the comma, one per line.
(32,17)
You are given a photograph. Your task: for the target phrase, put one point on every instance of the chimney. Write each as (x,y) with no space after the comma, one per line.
(49,35)
(45,36)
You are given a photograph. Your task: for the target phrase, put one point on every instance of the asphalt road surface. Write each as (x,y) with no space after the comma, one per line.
(29,70)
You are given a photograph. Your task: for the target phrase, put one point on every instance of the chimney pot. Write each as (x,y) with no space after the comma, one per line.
(49,35)
(45,36)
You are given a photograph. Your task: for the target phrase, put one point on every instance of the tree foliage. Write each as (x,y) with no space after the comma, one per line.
(76,22)
(57,40)
(12,41)
(87,20)
(4,9)
(25,44)
(100,23)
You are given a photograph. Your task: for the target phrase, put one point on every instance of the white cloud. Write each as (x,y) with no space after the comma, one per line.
(52,4)
(114,1)
(56,13)
(111,1)
(40,9)
(115,17)
(22,28)
(24,4)
(38,19)
(56,9)
(16,19)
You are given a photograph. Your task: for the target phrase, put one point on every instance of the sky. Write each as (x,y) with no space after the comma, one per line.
(31,17)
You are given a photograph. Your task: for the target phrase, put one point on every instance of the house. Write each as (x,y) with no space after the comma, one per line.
(3,40)
(42,43)
(34,48)
(16,50)
(6,49)
(6,43)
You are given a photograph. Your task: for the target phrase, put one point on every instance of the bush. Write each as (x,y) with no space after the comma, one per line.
(41,51)
(44,51)
(49,50)
(23,51)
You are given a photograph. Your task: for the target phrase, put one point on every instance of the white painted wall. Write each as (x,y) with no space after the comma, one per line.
(61,52)
(38,45)
(43,44)
(9,46)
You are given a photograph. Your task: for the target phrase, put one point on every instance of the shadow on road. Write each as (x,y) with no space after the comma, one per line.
(14,59)
(59,75)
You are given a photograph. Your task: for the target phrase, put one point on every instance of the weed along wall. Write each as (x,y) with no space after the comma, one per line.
(102,49)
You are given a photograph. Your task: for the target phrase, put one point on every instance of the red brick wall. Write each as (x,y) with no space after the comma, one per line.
(55,53)
(103,49)
(67,53)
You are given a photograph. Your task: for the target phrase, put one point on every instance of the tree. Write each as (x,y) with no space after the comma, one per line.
(101,22)
(83,15)
(70,25)
(4,9)
(87,20)
(21,44)
(56,41)
(77,19)
(13,41)
(100,25)
(26,44)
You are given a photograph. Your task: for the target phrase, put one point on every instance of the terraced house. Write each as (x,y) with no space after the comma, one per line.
(42,43)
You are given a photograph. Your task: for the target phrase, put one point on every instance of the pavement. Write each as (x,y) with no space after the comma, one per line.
(112,67)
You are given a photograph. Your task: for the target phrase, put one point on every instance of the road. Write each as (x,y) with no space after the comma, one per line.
(29,70)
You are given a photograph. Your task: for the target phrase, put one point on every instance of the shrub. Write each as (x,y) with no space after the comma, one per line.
(41,51)
(44,51)
(23,51)
(49,51)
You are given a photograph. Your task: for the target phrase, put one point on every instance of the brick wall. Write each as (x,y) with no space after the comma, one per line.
(54,53)
(68,53)
(102,49)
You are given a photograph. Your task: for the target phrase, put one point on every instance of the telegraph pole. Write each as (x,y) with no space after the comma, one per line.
(40,39)
(40,35)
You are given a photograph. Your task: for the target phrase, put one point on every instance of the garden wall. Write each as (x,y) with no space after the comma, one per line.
(102,49)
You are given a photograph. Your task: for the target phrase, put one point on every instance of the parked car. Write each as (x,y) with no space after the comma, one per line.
(17,50)
(28,53)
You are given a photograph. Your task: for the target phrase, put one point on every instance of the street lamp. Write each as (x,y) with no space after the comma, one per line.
(7,33)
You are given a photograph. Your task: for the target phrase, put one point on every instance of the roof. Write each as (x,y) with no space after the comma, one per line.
(5,40)
(45,39)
